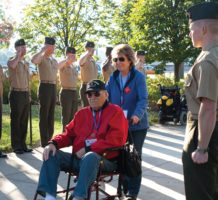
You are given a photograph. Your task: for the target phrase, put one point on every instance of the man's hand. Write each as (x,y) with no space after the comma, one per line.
(47,150)
(134,120)
(91,51)
(70,59)
(45,48)
(19,52)
(199,158)
(80,153)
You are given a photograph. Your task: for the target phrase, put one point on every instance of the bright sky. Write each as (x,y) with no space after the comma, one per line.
(13,8)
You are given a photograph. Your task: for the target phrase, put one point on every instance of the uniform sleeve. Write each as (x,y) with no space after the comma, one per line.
(142,94)
(208,81)
(116,135)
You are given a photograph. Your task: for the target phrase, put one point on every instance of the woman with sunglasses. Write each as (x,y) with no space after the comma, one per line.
(127,88)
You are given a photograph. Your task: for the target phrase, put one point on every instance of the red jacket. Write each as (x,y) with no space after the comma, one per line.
(112,132)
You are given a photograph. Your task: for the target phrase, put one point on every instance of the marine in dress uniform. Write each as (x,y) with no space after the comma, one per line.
(89,70)
(69,78)
(107,66)
(200,151)
(140,57)
(47,93)
(19,97)
(2,155)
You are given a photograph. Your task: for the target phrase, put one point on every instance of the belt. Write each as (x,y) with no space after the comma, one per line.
(50,82)
(69,88)
(20,89)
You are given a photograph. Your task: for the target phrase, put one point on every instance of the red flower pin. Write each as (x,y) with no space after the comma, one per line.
(127,90)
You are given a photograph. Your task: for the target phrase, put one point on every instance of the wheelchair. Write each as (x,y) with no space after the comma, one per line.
(172,106)
(102,177)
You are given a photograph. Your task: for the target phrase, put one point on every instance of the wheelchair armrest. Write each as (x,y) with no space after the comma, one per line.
(111,150)
(114,149)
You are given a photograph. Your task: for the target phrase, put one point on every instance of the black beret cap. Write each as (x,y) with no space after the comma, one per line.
(95,86)
(19,42)
(70,50)
(108,50)
(207,10)
(49,40)
(140,53)
(90,44)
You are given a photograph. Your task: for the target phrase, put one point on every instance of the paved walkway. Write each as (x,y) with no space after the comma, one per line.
(162,169)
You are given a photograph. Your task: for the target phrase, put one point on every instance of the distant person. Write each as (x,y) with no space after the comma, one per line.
(89,70)
(68,78)
(2,155)
(200,151)
(92,131)
(19,97)
(127,88)
(107,67)
(140,61)
(48,69)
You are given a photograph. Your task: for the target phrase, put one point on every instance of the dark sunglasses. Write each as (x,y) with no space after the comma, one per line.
(121,59)
(90,94)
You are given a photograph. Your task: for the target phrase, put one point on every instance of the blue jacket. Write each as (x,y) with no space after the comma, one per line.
(135,96)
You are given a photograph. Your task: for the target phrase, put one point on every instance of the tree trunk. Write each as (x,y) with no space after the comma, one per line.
(181,70)
(176,72)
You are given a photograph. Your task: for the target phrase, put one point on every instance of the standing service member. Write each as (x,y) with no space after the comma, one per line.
(19,97)
(89,70)
(200,152)
(47,93)
(69,79)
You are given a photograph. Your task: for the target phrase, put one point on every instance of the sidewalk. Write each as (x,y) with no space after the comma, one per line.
(162,168)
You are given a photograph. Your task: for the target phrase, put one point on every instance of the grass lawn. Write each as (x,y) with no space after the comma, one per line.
(5,142)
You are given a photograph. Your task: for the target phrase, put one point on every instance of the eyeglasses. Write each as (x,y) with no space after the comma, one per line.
(90,94)
(121,59)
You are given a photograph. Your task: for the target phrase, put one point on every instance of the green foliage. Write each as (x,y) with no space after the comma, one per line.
(115,24)
(161,28)
(6,30)
(154,89)
(34,84)
(70,22)
(5,142)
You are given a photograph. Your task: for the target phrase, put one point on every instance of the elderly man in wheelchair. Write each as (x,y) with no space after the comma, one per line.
(93,130)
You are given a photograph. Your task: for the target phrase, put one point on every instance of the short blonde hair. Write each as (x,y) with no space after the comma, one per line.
(211,24)
(126,50)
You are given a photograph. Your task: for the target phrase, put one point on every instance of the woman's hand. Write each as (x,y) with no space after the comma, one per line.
(134,120)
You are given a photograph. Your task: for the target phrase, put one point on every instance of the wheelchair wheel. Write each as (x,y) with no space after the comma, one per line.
(183,118)
(161,118)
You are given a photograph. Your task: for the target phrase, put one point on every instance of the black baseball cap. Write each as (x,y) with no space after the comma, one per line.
(49,40)
(19,42)
(95,86)
(207,10)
